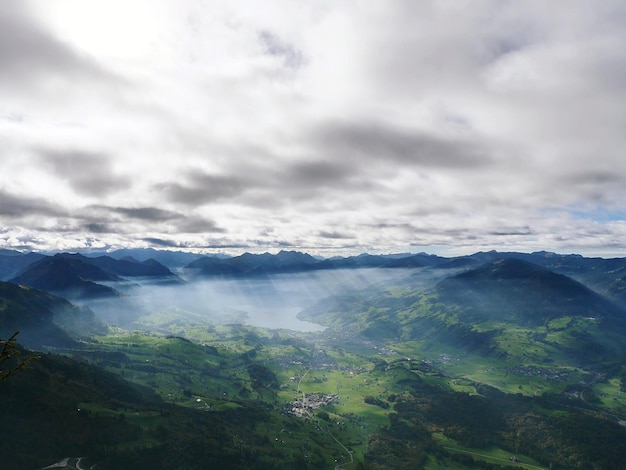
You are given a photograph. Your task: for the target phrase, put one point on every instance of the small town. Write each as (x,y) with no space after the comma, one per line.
(302,406)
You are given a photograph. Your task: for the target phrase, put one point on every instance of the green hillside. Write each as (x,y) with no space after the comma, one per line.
(507,308)
(61,408)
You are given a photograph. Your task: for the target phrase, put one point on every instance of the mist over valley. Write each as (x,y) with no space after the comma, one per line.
(271,301)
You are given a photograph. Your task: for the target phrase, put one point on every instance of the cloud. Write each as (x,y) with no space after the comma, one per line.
(163,243)
(199,225)
(370,143)
(37,65)
(27,50)
(202,188)
(18,206)
(308,178)
(274,46)
(99,228)
(335,235)
(145,213)
(330,126)
(130,220)
(512,233)
(87,173)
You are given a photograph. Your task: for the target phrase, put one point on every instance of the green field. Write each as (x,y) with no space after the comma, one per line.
(217,368)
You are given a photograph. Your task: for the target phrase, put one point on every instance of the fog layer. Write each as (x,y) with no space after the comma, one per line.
(270,302)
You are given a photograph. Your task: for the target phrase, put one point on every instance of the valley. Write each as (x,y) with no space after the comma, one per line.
(503,365)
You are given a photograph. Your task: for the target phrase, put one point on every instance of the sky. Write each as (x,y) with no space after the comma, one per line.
(331,127)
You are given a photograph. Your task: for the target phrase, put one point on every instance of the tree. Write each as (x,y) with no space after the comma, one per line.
(10,349)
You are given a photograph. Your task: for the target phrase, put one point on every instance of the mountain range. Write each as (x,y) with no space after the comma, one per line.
(593,271)
(89,276)
(76,276)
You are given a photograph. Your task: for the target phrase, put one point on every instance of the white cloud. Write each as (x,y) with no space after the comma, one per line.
(346,126)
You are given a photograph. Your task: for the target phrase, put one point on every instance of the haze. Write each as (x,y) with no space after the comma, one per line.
(270,302)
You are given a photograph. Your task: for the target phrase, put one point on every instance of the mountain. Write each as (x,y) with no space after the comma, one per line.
(507,308)
(76,276)
(127,266)
(61,411)
(12,262)
(603,275)
(416,261)
(364,260)
(171,259)
(67,276)
(249,264)
(522,293)
(42,319)
(616,290)
(44,409)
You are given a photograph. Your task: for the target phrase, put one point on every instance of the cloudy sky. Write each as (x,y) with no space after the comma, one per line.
(333,127)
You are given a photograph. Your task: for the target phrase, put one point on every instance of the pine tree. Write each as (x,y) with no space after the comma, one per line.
(10,349)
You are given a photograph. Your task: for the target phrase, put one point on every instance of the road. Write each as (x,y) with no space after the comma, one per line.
(68,463)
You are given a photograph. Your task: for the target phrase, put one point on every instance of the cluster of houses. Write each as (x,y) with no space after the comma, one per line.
(302,406)
(534,371)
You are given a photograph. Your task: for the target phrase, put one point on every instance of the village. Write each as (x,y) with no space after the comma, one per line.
(302,406)
(534,371)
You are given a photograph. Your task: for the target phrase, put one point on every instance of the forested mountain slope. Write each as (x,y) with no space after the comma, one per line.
(487,310)
(43,319)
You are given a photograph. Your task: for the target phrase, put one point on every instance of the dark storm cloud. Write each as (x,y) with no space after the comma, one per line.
(29,53)
(22,206)
(378,142)
(88,173)
(202,188)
